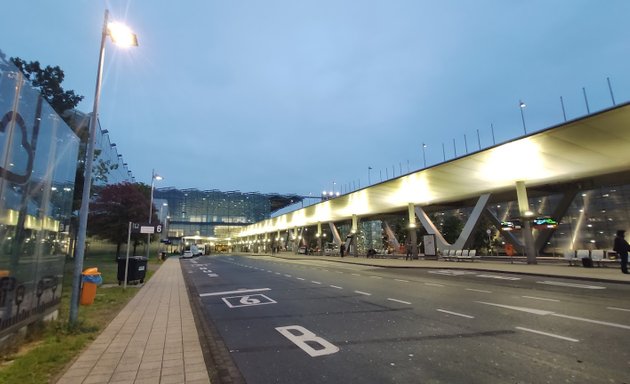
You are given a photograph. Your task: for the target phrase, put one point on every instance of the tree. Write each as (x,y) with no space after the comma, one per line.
(114,207)
(48,81)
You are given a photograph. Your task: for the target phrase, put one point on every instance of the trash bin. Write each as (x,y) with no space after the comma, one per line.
(136,272)
(90,278)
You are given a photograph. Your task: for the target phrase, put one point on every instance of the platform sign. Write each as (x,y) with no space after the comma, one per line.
(247,300)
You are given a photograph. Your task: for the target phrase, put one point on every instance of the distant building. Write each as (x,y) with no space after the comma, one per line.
(214,216)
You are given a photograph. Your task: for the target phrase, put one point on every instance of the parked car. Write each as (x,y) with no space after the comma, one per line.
(302,250)
(187,254)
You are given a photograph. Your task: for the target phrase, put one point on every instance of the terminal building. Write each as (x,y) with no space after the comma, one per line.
(211,217)
(554,192)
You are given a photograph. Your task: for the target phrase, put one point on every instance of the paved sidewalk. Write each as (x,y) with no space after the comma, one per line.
(545,267)
(152,340)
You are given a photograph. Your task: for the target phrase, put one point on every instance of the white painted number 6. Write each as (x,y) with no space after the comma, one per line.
(248,300)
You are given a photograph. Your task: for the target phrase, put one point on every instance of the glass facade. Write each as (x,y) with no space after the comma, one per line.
(214,214)
(38,154)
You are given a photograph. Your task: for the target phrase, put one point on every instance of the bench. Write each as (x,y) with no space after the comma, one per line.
(459,254)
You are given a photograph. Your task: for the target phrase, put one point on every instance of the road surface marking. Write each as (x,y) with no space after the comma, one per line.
(355,274)
(449,272)
(540,298)
(338,272)
(456,314)
(572,285)
(478,290)
(523,309)
(247,300)
(544,313)
(618,309)
(315,282)
(499,277)
(592,321)
(548,334)
(376,277)
(398,301)
(434,284)
(288,275)
(244,290)
(303,336)
(402,281)
(278,273)
(212,275)
(363,293)
(335,286)
(300,278)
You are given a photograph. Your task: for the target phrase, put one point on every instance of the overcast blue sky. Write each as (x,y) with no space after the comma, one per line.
(292,96)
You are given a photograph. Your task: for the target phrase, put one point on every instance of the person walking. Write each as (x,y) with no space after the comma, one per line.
(342,249)
(622,248)
(409,251)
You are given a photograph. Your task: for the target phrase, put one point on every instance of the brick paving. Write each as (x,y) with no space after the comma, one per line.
(152,340)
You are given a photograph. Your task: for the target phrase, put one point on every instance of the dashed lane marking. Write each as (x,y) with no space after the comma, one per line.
(456,314)
(478,290)
(548,334)
(398,301)
(540,298)
(363,293)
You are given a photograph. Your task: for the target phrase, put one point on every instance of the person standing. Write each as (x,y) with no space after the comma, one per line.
(622,248)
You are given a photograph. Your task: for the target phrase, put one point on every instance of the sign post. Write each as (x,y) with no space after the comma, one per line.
(127,259)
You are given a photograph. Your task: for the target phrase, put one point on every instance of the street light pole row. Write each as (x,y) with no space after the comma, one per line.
(122,36)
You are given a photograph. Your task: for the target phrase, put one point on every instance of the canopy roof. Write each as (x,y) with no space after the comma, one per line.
(589,149)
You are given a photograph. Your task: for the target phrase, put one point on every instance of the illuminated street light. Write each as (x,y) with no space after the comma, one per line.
(522,106)
(115,35)
(424,156)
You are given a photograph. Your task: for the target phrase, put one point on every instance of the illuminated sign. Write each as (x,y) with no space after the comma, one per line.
(510,225)
(545,222)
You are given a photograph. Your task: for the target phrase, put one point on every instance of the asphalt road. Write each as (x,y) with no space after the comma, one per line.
(318,322)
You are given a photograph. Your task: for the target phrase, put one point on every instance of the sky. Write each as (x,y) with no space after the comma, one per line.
(286,96)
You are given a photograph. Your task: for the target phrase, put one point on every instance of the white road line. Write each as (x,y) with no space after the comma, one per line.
(548,334)
(355,274)
(456,314)
(269,271)
(315,282)
(398,301)
(499,277)
(540,298)
(300,278)
(434,285)
(338,272)
(288,275)
(335,286)
(618,309)
(212,275)
(278,273)
(592,321)
(478,290)
(561,284)
(363,293)
(402,281)
(376,277)
(244,290)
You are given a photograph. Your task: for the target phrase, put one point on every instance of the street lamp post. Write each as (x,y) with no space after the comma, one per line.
(369,178)
(121,36)
(154,176)
(522,106)
(424,156)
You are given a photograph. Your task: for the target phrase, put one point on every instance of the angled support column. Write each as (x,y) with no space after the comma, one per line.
(526,214)
(391,236)
(469,227)
(562,208)
(335,234)
(508,235)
